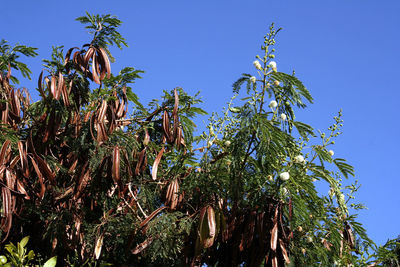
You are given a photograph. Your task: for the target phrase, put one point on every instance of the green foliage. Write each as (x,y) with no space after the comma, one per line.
(169,233)
(18,256)
(104,30)
(126,76)
(57,60)
(388,254)
(9,55)
(293,89)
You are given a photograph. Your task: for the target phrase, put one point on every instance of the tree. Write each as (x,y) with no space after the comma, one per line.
(86,179)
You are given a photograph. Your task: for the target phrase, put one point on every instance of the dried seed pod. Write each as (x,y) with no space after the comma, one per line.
(95,68)
(98,246)
(166,128)
(172,196)
(156,163)
(207,227)
(116,165)
(24,159)
(107,64)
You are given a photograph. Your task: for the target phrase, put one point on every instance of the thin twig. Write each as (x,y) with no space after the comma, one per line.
(133,195)
(134,211)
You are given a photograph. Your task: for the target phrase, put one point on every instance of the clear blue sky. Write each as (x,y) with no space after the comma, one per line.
(347,53)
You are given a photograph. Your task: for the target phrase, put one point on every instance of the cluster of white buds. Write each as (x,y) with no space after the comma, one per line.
(252,79)
(331,153)
(299,159)
(283,116)
(272,65)
(284,176)
(257,64)
(273,104)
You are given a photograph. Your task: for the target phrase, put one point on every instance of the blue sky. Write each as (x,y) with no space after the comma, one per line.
(346,53)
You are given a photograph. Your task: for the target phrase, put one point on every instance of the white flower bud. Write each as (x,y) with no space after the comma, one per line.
(331,153)
(285,191)
(283,116)
(331,192)
(313,180)
(270,178)
(257,64)
(284,176)
(273,104)
(276,83)
(299,228)
(299,159)
(212,131)
(253,79)
(227,143)
(309,239)
(272,64)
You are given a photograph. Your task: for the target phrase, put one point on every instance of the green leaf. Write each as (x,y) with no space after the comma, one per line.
(104,30)
(293,88)
(24,241)
(323,154)
(10,55)
(238,84)
(3,259)
(134,98)
(304,129)
(11,248)
(51,262)
(31,255)
(343,167)
(199,111)
(234,109)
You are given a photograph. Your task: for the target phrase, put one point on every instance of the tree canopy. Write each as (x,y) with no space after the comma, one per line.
(90,180)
